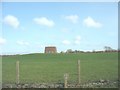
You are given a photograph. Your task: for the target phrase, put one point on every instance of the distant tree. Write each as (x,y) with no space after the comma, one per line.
(93,51)
(76,51)
(69,51)
(61,52)
(107,48)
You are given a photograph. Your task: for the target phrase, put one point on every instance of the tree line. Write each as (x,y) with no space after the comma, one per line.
(106,49)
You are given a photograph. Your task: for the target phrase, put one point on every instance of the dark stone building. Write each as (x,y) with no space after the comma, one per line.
(51,49)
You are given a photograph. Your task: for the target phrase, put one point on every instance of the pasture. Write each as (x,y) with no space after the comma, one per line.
(50,68)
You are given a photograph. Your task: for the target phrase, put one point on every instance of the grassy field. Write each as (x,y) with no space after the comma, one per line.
(50,68)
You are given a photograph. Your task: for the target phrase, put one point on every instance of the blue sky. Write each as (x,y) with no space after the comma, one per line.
(29,27)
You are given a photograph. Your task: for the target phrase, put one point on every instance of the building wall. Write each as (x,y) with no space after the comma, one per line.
(50,50)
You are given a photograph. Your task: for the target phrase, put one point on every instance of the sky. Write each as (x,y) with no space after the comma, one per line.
(27,27)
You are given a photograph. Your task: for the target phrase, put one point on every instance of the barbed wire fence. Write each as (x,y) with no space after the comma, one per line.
(65,80)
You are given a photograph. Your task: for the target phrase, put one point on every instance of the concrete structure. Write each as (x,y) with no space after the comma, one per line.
(50,49)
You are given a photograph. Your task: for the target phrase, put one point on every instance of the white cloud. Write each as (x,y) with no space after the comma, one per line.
(44,21)
(2,41)
(90,22)
(77,40)
(23,43)
(11,20)
(66,42)
(72,18)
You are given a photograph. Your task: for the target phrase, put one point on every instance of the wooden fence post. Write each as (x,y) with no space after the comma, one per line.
(65,80)
(78,71)
(17,72)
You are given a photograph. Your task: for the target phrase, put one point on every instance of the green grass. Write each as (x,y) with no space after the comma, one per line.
(50,68)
